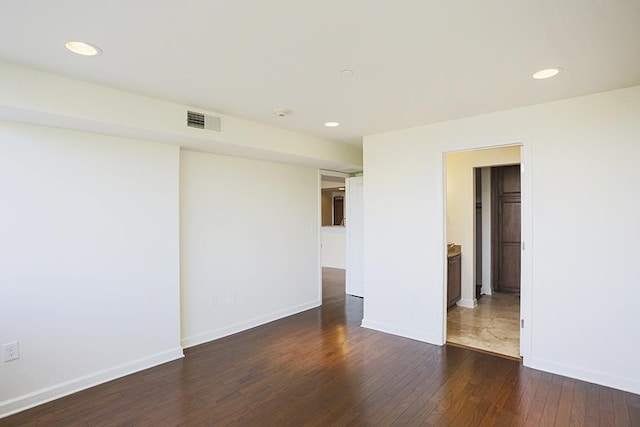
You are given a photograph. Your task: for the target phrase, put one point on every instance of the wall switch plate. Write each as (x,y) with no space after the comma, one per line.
(11,351)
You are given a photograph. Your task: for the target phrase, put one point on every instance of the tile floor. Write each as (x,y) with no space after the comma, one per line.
(491,326)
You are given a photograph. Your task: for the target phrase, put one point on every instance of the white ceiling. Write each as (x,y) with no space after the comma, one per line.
(415,61)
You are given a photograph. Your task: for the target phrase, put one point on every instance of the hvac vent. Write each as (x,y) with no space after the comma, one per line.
(202,121)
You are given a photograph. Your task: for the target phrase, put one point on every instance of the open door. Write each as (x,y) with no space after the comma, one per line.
(355,237)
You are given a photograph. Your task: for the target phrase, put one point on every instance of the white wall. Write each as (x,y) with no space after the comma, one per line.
(249,243)
(40,98)
(89,260)
(334,247)
(580,224)
(461,206)
(91,229)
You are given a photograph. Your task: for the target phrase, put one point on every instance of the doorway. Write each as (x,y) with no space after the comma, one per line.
(341,229)
(332,216)
(483,229)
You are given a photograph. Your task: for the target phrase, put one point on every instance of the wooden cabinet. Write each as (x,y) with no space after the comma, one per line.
(454,273)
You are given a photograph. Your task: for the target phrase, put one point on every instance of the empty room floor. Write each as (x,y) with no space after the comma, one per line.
(321,368)
(492,326)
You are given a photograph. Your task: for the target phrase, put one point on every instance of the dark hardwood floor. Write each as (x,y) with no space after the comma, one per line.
(321,368)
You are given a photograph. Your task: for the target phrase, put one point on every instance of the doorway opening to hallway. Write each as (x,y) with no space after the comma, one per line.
(483,233)
(341,228)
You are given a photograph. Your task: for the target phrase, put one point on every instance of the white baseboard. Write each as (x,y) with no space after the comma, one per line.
(403,332)
(21,403)
(246,324)
(595,377)
(467,303)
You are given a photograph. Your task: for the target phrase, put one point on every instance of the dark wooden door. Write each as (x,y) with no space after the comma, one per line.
(338,210)
(505,228)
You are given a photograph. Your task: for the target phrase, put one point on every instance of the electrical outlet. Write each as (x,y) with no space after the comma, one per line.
(11,351)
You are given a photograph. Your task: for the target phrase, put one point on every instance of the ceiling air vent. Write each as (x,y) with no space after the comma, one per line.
(202,121)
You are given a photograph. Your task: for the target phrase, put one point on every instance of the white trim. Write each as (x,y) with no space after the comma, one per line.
(347,237)
(413,334)
(486,230)
(352,249)
(468,303)
(526,255)
(319,233)
(246,324)
(47,394)
(595,377)
(445,250)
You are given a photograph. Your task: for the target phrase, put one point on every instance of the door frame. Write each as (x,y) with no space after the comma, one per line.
(318,227)
(349,250)
(526,258)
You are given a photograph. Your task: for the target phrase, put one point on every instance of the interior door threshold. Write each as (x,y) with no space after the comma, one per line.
(480,350)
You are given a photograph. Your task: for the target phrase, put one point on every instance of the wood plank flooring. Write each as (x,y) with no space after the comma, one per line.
(320,368)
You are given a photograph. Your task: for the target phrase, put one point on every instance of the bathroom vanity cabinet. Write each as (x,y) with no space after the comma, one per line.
(454,272)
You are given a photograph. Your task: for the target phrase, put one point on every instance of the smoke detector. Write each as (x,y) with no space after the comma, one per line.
(281,112)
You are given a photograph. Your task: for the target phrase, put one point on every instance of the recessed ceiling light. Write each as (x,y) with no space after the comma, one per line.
(82,48)
(341,188)
(347,73)
(332,124)
(545,74)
